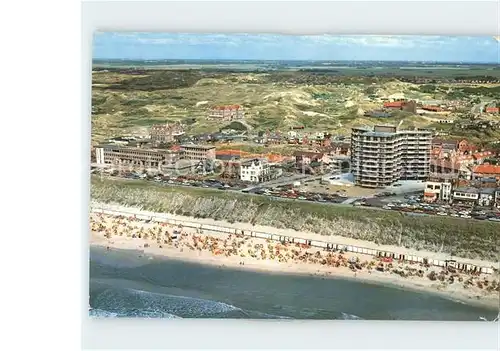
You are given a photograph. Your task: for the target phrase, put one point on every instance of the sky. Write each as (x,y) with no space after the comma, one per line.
(157,46)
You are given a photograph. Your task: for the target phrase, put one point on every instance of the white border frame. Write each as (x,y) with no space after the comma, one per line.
(354,17)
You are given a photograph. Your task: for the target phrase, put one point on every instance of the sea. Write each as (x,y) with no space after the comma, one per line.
(127,283)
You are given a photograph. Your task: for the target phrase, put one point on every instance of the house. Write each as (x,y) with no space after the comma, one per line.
(437,191)
(231,168)
(307,157)
(445,166)
(497,198)
(486,197)
(338,149)
(465,172)
(394,104)
(166,133)
(431,108)
(255,170)
(443,147)
(226,113)
(467,195)
(492,110)
(486,171)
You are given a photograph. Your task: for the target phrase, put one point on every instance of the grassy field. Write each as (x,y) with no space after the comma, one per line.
(130,103)
(469,239)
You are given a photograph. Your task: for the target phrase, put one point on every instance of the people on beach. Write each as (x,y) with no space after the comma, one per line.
(244,247)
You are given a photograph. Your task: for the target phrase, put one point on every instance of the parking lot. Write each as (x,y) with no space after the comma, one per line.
(410,202)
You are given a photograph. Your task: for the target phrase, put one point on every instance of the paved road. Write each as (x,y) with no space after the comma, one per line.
(346,203)
(286,180)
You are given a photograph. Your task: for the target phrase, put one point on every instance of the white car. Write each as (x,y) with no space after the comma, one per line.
(442,214)
(454,215)
(465,216)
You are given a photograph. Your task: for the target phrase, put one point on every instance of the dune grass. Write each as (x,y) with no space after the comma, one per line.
(458,237)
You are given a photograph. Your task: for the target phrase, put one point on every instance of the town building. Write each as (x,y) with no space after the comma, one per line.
(307,157)
(465,195)
(448,148)
(437,191)
(486,171)
(492,110)
(403,105)
(198,152)
(181,167)
(255,170)
(486,197)
(231,169)
(166,133)
(134,156)
(444,166)
(384,155)
(226,113)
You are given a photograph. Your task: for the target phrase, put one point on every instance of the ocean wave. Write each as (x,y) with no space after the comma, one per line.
(139,303)
(347,316)
(100,313)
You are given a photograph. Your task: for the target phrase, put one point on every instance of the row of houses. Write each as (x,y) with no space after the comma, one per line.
(475,194)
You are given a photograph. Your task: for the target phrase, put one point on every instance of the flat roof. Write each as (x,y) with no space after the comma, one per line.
(195,146)
(464,189)
(250,160)
(487,190)
(181,164)
(127,147)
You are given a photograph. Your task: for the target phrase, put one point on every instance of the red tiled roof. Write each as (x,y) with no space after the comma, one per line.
(483,154)
(394,104)
(308,154)
(487,169)
(228,107)
(492,109)
(431,108)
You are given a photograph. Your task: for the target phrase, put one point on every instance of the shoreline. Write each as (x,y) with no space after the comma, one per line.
(441,256)
(454,292)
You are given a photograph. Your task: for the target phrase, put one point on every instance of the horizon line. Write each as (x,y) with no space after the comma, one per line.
(291,60)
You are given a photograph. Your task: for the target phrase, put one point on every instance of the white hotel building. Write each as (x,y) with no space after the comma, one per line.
(255,170)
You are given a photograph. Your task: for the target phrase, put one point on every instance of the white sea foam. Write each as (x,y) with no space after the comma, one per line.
(347,316)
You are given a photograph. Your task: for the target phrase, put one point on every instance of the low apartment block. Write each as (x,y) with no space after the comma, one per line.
(476,196)
(384,155)
(465,195)
(134,156)
(437,191)
(198,152)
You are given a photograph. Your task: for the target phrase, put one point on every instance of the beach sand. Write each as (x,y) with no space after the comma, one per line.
(224,250)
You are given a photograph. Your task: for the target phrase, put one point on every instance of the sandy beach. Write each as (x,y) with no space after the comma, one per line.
(225,250)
